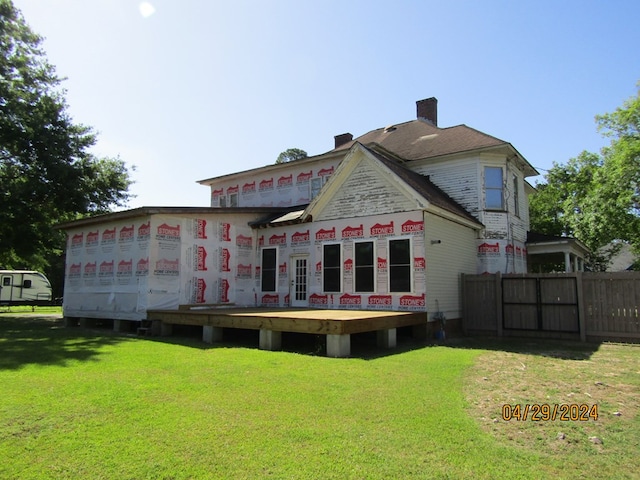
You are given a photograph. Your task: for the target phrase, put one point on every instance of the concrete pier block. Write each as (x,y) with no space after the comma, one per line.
(338,345)
(121,326)
(270,340)
(211,334)
(387,338)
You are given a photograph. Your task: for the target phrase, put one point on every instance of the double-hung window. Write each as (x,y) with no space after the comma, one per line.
(400,265)
(364,267)
(493,188)
(331,267)
(269,272)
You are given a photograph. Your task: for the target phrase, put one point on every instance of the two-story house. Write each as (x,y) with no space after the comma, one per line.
(388,220)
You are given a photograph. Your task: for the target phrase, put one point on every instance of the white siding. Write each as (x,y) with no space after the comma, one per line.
(450,250)
(367,191)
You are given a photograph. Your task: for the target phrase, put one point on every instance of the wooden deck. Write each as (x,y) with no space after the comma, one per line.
(337,325)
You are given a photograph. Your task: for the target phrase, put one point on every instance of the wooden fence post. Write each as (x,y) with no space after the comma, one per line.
(498,287)
(582,321)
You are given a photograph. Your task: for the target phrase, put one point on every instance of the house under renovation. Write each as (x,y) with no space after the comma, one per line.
(387,221)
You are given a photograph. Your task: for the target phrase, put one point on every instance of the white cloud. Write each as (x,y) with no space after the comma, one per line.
(146,9)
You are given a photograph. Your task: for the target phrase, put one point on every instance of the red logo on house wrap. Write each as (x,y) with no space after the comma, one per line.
(489,248)
(419,263)
(217,192)
(225,232)
(201,287)
(412,301)
(348,299)
(509,249)
(285,181)
(412,227)
(270,299)
(125,268)
(319,267)
(278,239)
(243,241)
(75,269)
(224,290)
(106,268)
(325,171)
(142,268)
(169,232)
(315,299)
(225,256)
(92,238)
(233,190)
(382,263)
(377,300)
(323,234)
(202,258)
(304,177)
(201,228)
(266,184)
(249,188)
(382,229)
(300,237)
(353,232)
(244,271)
(126,234)
(109,236)
(144,231)
(348,265)
(90,269)
(77,240)
(283,268)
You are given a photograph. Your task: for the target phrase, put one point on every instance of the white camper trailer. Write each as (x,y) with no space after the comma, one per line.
(24,287)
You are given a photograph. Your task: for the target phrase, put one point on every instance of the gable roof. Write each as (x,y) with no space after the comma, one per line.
(435,199)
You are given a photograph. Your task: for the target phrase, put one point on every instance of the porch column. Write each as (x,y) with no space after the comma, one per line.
(567,262)
(270,339)
(386,338)
(338,345)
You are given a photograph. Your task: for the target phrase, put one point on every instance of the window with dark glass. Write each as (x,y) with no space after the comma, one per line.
(331,268)
(269,272)
(516,196)
(400,265)
(493,188)
(364,266)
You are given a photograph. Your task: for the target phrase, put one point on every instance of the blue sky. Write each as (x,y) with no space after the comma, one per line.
(199,89)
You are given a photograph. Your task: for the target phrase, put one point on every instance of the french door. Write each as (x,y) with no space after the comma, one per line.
(298,292)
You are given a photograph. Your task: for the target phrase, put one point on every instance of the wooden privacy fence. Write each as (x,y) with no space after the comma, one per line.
(594,306)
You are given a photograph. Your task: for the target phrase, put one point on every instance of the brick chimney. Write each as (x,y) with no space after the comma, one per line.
(342,139)
(428,110)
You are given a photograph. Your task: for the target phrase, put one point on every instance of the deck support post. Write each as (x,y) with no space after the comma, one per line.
(121,326)
(338,345)
(270,339)
(211,334)
(386,338)
(166,329)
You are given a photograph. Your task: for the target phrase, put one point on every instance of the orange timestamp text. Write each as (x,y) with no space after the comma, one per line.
(543,412)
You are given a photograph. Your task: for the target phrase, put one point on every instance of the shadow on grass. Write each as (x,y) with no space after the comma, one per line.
(41,339)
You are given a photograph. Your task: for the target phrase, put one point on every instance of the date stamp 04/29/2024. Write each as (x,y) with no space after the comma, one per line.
(544,412)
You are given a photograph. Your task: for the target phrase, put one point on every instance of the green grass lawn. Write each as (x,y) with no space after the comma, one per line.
(89,404)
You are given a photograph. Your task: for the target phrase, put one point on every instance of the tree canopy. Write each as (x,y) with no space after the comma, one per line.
(291,155)
(47,172)
(596,197)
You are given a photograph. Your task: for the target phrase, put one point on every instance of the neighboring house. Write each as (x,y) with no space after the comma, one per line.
(388,220)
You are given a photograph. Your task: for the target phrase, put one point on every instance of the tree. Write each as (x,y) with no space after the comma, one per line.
(47,173)
(291,155)
(596,197)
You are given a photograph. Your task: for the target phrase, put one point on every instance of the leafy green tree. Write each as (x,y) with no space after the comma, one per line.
(47,173)
(291,155)
(596,197)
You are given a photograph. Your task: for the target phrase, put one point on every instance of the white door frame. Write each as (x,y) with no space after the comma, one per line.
(299,281)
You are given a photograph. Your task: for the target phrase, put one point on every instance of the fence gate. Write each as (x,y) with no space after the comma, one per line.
(548,304)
